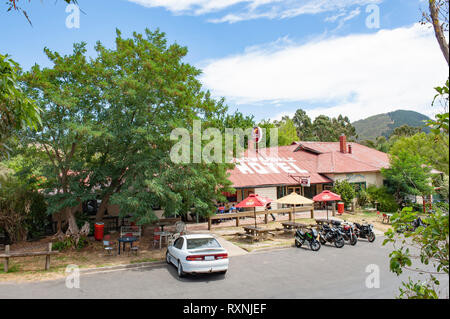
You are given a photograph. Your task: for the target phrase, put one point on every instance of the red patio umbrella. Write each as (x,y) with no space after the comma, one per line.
(254,201)
(326,196)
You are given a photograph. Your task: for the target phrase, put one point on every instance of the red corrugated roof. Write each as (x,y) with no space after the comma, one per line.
(306,159)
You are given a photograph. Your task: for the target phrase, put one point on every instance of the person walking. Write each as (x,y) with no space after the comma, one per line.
(269,207)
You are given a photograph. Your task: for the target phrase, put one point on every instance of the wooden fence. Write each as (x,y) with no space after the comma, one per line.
(290,211)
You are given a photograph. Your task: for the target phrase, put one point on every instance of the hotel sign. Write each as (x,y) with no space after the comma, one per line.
(268,165)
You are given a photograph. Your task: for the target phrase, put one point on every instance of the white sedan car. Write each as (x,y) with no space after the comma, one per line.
(197,254)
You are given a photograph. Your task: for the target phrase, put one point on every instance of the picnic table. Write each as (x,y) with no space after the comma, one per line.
(293,225)
(256,233)
(321,221)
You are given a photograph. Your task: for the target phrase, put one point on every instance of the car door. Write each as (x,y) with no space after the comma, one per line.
(176,250)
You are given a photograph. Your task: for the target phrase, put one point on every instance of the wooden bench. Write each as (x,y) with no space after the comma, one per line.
(47,254)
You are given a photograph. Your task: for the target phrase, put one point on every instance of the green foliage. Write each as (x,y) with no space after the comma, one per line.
(16,109)
(385,201)
(286,131)
(346,191)
(303,125)
(408,175)
(432,149)
(22,207)
(441,121)
(363,198)
(70,243)
(431,242)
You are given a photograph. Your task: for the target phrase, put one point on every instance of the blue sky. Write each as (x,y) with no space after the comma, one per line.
(266,57)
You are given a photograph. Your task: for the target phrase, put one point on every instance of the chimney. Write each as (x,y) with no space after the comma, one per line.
(343,143)
(350,148)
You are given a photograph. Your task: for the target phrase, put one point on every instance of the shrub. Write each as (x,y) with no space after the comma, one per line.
(346,191)
(69,243)
(363,198)
(386,201)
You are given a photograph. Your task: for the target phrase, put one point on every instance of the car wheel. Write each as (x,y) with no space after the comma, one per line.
(371,237)
(168,258)
(180,270)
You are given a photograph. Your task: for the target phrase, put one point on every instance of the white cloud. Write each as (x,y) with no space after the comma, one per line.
(356,75)
(252,9)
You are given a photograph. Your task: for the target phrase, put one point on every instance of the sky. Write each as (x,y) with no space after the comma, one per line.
(267,58)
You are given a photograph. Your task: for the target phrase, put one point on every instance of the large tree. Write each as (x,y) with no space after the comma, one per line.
(303,125)
(108,123)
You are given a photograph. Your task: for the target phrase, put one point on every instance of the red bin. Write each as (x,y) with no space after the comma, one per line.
(340,206)
(98,231)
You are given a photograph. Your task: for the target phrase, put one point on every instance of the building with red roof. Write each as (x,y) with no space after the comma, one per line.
(306,168)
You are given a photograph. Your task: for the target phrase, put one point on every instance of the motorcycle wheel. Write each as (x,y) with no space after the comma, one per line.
(322,241)
(314,245)
(339,243)
(298,243)
(371,237)
(353,240)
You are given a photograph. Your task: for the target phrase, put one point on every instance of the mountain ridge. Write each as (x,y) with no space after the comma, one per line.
(383,124)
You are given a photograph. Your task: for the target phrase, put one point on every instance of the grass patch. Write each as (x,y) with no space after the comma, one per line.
(11,268)
(143,260)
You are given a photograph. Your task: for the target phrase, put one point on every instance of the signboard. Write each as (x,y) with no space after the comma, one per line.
(257,134)
(305,181)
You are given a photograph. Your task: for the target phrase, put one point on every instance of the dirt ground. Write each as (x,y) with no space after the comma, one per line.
(92,256)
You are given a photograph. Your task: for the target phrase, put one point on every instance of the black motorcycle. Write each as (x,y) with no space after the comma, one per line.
(331,235)
(309,236)
(347,230)
(413,225)
(365,231)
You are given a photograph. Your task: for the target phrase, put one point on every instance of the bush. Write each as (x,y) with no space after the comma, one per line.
(69,243)
(363,198)
(386,201)
(346,191)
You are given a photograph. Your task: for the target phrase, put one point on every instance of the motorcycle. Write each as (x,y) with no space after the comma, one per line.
(413,226)
(309,236)
(331,235)
(365,231)
(348,231)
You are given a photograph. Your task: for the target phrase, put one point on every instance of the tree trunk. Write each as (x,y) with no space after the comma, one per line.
(438,30)
(73,227)
(102,209)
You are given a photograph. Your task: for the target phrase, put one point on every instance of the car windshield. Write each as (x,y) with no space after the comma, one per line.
(198,243)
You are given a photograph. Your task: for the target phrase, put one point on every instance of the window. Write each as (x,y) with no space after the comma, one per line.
(199,243)
(359,186)
(179,243)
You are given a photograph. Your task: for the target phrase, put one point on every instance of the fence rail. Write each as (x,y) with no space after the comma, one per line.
(290,211)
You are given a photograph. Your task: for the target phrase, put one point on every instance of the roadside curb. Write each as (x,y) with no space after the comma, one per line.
(149,264)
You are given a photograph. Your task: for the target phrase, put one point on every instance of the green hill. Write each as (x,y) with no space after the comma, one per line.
(383,124)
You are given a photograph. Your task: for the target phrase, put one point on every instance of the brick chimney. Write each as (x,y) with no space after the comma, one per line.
(343,143)
(350,148)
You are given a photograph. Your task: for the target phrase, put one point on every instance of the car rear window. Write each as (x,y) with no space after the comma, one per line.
(198,243)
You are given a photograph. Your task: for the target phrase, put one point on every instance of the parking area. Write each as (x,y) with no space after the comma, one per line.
(279,273)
